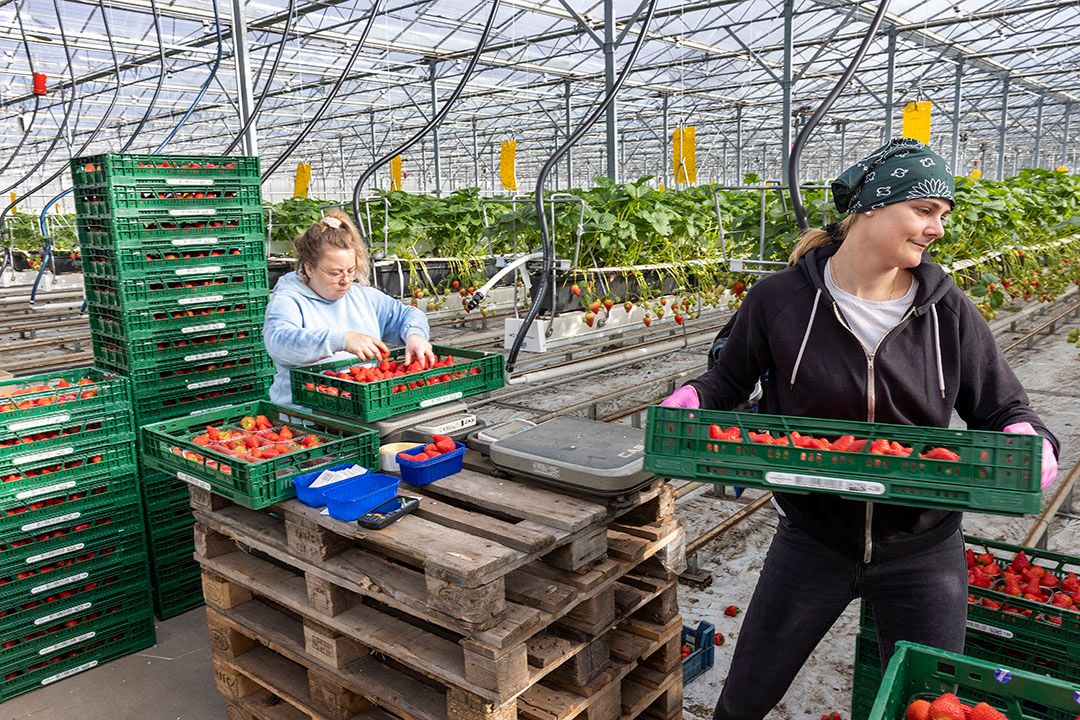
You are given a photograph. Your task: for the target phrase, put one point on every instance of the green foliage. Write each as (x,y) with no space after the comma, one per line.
(23,233)
(290,218)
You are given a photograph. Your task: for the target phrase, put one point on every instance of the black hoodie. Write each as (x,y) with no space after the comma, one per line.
(940,356)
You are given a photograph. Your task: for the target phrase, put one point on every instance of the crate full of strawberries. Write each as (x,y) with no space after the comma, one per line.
(380,389)
(923,683)
(250,452)
(943,468)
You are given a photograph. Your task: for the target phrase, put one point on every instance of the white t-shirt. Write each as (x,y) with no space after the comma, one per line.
(870,320)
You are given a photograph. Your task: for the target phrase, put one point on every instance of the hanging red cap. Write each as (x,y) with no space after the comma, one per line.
(39,83)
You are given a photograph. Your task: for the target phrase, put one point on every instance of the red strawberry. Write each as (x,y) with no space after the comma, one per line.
(1021,562)
(1070,583)
(731,611)
(1048,580)
(918,710)
(947,707)
(982,711)
(575,289)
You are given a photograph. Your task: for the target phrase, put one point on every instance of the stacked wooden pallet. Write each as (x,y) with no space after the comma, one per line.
(494,601)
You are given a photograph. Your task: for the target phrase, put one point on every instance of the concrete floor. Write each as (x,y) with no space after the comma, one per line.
(172,680)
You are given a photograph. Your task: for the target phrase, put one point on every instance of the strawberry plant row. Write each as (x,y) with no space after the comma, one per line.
(223,316)
(162,200)
(138,634)
(917,671)
(187,231)
(72,472)
(26,400)
(80,500)
(179,292)
(162,260)
(332,389)
(187,449)
(111,169)
(902,464)
(141,355)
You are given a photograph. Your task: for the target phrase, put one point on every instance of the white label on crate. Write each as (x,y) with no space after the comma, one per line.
(200,411)
(818,482)
(25,494)
(185,212)
(58,452)
(68,673)
(206,355)
(55,553)
(202,328)
(63,613)
(38,422)
(184,242)
(198,270)
(200,299)
(68,643)
(990,630)
(192,480)
(440,400)
(51,521)
(59,583)
(545,469)
(189,181)
(208,383)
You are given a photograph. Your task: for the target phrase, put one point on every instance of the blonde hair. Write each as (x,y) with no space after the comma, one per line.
(335,230)
(816,237)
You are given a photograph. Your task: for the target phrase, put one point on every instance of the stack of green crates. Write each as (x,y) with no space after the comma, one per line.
(1031,641)
(74,589)
(176,283)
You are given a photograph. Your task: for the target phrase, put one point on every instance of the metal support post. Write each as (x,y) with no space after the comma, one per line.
(435,132)
(786,83)
(1065,135)
(890,83)
(738,145)
(246,102)
(1037,160)
(664,175)
(475,157)
(843,147)
(1001,129)
(569,151)
(957,95)
(609,83)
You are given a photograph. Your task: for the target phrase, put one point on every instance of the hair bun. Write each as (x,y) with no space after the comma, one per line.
(331,222)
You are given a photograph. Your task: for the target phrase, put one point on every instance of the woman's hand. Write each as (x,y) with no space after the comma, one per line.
(684,397)
(364,346)
(418,348)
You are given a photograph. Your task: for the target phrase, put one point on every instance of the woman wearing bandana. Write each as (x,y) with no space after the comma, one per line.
(862,326)
(319,313)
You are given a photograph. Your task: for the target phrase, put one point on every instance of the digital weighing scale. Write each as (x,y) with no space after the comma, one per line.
(587,456)
(448,419)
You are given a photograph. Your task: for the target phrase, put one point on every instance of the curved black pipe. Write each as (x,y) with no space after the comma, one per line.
(160,80)
(545,237)
(269,81)
(804,133)
(37,98)
(330,97)
(430,124)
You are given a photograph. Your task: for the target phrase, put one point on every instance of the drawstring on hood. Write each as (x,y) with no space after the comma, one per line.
(806,336)
(937,350)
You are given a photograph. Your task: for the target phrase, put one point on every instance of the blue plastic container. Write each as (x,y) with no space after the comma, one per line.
(702,642)
(314,497)
(349,499)
(428,471)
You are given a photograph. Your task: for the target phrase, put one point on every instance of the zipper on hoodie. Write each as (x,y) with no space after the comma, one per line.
(871,408)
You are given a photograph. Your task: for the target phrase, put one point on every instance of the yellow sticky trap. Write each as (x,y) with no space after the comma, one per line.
(302,180)
(13,208)
(1061,168)
(508,164)
(917,121)
(684,154)
(395,173)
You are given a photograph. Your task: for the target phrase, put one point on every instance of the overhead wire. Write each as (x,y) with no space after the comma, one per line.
(545,236)
(27,127)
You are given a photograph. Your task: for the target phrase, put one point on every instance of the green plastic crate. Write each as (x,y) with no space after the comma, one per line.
(162,260)
(163,326)
(371,401)
(226,284)
(997,472)
(41,396)
(16,466)
(133,232)
(141,355)
(103,588)
(84,498)
(176,598)
(63,431)
(188,403)
(917,671)
(115,168)
(51,477)
(169,447)
(149,385)
(135,636)
(162,199)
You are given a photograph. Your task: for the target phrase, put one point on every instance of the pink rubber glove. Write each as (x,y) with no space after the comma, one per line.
(1049,461)
(684,397)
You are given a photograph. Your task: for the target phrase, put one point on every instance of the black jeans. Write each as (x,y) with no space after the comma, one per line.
(804,587)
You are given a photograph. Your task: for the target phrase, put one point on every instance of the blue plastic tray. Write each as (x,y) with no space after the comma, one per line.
(314,498)
(703,644)
(428,471)
(349,499)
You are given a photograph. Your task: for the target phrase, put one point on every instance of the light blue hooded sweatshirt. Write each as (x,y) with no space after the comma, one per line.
(302,328)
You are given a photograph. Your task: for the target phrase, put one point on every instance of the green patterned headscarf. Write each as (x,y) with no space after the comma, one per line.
(902,169)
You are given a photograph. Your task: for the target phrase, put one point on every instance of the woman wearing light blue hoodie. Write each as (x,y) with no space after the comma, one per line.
(318,313)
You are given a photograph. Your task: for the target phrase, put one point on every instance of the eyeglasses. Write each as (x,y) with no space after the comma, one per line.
(338,274)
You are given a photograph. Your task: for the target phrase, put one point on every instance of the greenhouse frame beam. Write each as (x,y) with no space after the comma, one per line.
(1003,128)
(249,144)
